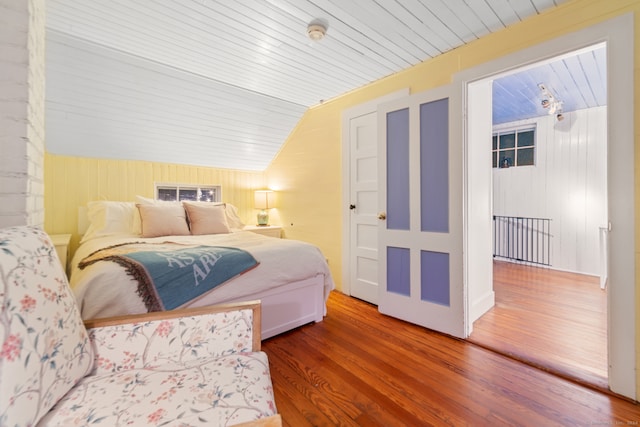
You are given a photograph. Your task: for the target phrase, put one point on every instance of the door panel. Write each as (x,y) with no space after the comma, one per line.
(364,196)
(434,269)
(397,166)
(398,269)
(420,184)
(434,166)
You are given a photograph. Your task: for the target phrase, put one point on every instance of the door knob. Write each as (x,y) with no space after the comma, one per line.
(382,215)
(352,206)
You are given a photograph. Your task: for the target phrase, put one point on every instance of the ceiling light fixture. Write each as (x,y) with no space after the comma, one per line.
(316,31)
(550,102)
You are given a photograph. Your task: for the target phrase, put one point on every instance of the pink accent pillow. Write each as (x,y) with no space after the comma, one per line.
(207,219)
(163,220)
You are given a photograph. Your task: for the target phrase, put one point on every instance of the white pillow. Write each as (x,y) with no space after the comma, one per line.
(163,220)
(232,217)
(108,218)
(206,219)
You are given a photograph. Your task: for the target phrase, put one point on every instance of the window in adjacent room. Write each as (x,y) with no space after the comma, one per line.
(189,192)
(514,148)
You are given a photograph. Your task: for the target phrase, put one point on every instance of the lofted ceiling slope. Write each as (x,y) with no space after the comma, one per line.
(223,83)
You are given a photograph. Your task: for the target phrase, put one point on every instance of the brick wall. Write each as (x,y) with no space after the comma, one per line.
(22,90)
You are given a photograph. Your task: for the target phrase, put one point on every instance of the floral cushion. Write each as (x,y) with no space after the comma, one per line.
(45,347)
(171,342)
(209,392)
(192,370)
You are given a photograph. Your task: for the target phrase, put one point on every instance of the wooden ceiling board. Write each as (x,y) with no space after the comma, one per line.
(505,11)
(470,17)
(199,80)
(523,9)
(463,25)
(542,5)
(390,32)
(424,24)
(597,78)
(485,12)
(144,106)
(356,38)
(583,95)
(133,80)
(578,81)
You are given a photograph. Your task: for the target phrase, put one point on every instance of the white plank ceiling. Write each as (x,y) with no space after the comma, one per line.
(223,83)
(577,81)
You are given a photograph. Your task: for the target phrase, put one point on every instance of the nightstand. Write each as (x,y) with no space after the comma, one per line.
(61,243)
(265,230)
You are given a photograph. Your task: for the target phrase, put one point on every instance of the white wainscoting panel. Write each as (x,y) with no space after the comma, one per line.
(568,184)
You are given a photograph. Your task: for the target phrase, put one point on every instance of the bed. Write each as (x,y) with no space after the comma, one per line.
(290,277)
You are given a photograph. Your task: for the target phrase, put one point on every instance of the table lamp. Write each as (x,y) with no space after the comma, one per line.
(264,202)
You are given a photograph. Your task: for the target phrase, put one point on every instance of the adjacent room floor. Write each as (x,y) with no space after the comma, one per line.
(553,320)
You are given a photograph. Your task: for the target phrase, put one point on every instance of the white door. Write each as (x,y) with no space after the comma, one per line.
(360,169)
(420,235)
(363,136)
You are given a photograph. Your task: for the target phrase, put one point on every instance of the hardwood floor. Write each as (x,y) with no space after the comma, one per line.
(551,319)
(361,368)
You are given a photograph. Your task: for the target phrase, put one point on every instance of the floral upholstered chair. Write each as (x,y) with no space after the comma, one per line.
(176,368)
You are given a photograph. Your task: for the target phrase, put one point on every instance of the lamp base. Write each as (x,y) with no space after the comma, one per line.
(263,218)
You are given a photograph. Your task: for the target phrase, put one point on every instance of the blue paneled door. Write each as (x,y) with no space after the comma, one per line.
(420,191)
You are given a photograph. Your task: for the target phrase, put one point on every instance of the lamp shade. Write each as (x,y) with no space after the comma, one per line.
(263,199)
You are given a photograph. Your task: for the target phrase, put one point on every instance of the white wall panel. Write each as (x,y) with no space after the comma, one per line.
(568,184)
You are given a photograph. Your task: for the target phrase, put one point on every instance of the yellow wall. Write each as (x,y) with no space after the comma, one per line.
(71,182)
(308,168)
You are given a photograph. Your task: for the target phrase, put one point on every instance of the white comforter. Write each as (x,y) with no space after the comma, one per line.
(104,289)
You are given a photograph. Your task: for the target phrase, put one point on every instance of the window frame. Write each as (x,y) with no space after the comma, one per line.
(199,188)
(495,139)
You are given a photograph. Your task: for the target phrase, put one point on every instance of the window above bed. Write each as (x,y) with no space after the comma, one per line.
(188,192)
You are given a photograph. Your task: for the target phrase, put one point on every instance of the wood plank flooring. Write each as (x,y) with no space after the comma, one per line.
(554,320)
(361,368)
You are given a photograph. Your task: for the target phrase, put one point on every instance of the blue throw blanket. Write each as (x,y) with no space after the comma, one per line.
(168,278)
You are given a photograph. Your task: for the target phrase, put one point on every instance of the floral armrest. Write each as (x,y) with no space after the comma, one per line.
(174,337)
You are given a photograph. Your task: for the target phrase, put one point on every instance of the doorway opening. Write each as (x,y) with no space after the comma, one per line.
(549,207)
(621,274)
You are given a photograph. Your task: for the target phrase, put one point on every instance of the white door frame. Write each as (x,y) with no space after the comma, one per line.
(348,114)
(618,33)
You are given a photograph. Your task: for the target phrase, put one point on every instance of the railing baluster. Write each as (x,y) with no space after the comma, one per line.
(522,239)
